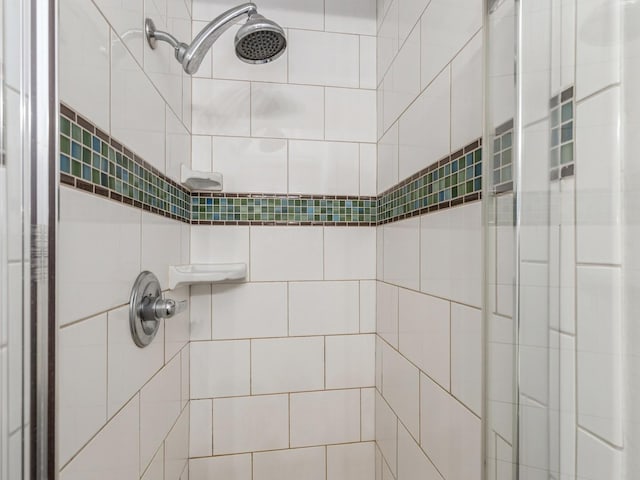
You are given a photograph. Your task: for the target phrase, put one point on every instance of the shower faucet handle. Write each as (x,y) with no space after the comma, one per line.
(167,308)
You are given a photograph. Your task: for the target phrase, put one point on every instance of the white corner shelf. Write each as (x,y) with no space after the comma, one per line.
(205,273)
(197,180)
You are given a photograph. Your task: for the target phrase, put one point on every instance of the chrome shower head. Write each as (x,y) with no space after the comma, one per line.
(260,40)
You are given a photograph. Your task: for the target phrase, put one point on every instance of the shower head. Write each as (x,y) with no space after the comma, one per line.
(259,40)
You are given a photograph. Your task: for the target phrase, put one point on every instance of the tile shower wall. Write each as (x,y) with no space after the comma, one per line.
(123,411)
(429,279)
(282,365)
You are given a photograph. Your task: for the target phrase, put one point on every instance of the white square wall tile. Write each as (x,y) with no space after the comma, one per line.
(219,244)
(130,366)
(249,310)
(250,424)
(201,153)
(447,428)
(251,164)
(113,453)
(178,145)
(596,459)
(160,402)
(307,463)
(84,60)
(350,115)
(237,467)
(355,16)
(402,253)
(221,107)
(200,312)
(466,356)
(350,361)
(409,13)
(86,221)
(387,170)
(201,428)
(368,166)
(424,339)
(176,447)
(324,168)
(401,388)
(466,94)
(367,414)
(387,39)
(387,432)
(323,308)
(322,58)
(424,128)
(349,253)
(287,365)
(287,111)
(368,306)
(286,253)
(387,312)
(219,368)
(413,464)
(82,384)
(161,245)
(155,470)
(368,62)
(320,418)
(351,462)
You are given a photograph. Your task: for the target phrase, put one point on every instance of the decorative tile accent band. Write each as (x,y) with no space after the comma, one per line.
(562,135)
(454,180)
(92,161)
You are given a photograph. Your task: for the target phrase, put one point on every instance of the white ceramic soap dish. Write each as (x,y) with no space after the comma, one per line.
(203,273)
(196,180)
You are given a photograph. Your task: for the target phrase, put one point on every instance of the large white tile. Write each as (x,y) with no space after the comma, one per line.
(202,152)
(324,168)
(200,312)
(448,428)
(598,30)
(388,159)
(130,366)
(350,115)
(368,62)
(596,459)
(349,253)
(286,253)
(227,65)
(137,109)
(424,128)
(161,245)
(466,356)
(368,306)
(355,16)
(250,310)
(86,221)
(250,424)
(307,14)
(367,414)
(467,94)
(598,202)
(237,467)
(379,253)
(599,351)
(387,40)
(82,384)
(215,244)
(413,464)
(113,453)
(201,428)
(402,253)
(387,432)
(328,417)
(402,82)
(307,463)
(447,25)
(323,308)
(387,312)
(251,164)
(322,58)
(178,146)
(350,361)
(124,18)
(208,376)
(84,44)
(424,327)
(401,388)
(176,447)
(185,369)
(287,365)
(409,13)
(351,462)
(287,111)
(451,254)
(221,107)
(155,470)
(160,402)
(368,167)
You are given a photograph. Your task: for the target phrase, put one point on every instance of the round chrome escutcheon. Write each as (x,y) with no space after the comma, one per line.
(145,291)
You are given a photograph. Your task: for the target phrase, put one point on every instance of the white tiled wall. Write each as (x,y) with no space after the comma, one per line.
(429,268)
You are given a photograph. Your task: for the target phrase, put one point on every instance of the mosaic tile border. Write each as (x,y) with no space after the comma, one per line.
(92,161)
(562,135)
(451,181)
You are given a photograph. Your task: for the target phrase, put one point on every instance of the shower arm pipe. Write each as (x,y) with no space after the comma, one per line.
(191,56)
